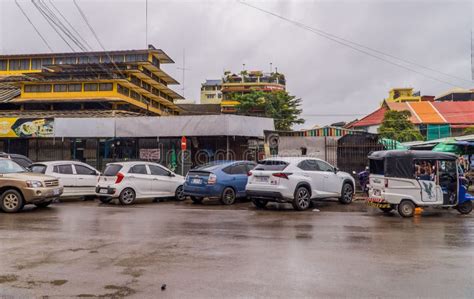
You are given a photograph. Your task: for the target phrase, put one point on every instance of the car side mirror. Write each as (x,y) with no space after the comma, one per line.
(171,174)
(336,169)
(97,173)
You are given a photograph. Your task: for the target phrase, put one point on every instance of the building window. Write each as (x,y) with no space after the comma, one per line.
(3,65)
(38,88)
(123,90)
(91,87)
(155,61)
(70,60)
(219,95)
(118,58)
(134,95)
(59,60)
(105,59)
(36,64)
(19,64)
(46,61)
(210,96)
(105,86)
(74,87)
(83,59)
(60,87)
(94,59)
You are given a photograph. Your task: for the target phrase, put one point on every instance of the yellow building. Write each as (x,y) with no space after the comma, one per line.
(247,82)
(400,95)
(211,92)
(130,81)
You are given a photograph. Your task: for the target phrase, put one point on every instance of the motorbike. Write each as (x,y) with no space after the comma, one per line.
(363,177)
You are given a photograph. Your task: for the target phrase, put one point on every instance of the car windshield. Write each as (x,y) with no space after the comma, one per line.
(112,169)
(272,165)
(8,166)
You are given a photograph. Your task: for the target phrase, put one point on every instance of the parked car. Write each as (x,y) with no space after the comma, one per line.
(19,187)
(128,181)
(297,181)
(220,179)
(78,179)
(23,161)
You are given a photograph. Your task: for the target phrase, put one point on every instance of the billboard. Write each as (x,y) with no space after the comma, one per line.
(26,127)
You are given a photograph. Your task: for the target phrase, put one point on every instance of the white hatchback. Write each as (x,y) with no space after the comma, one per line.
(78,179)
(128,181)
(298,180)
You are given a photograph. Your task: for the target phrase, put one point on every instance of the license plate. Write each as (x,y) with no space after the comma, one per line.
(196,181)
(103,191)
(377,192)
(261,179)
(56,192)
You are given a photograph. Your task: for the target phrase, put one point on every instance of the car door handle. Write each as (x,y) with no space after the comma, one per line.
(81,178)
(132,176)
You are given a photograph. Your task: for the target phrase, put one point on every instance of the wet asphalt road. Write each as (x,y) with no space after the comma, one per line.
(88,249)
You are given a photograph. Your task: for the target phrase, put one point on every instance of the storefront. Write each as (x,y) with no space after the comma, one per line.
(98,141)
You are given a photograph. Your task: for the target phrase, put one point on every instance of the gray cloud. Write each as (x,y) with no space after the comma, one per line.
(222,35)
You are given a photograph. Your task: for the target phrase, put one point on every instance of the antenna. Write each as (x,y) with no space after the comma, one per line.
(146,23)
(184,69)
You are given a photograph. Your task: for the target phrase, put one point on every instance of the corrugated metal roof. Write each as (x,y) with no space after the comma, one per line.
(456,112)
(373,118)
(8,92)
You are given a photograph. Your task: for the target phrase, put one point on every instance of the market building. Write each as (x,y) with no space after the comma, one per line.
(100,140)
(247,82)
(108,81)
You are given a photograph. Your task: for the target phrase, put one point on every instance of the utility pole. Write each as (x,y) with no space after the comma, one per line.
(184,69)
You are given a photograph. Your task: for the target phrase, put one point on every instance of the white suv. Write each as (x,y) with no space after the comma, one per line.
(128,181)
(297,181)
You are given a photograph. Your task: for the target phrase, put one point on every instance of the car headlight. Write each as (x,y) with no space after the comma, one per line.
(34,184)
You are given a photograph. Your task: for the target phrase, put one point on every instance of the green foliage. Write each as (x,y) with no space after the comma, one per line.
(396,125)
(279,105)
(468,131)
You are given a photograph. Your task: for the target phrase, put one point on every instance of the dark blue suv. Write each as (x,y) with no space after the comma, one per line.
(222,179)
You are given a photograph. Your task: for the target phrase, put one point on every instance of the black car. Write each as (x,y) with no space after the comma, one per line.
(23,161)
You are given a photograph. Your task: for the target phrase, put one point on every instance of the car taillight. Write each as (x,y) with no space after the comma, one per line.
(120,177)
(212,179)
(386,183)
(249,173)
(283,175)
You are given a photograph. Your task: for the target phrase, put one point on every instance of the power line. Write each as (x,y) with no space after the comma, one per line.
(70,25)
(34,27)
(347,44)
(50,22)
(95,35)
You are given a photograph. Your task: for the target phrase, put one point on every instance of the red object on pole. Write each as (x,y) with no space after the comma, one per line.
(183,143)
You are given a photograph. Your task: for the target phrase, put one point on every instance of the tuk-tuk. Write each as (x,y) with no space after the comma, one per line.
(404,180)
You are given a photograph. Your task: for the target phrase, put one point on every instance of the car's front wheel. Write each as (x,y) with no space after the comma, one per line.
(302,199)
(347,194)
(11,201)
(179,194)
(127,196)
(43,204)
(228,196)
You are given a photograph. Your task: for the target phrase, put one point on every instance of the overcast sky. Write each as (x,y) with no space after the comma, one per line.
(336,83)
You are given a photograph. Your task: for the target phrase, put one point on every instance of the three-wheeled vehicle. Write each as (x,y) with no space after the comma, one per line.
(404,180)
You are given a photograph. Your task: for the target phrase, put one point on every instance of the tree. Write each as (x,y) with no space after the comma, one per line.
(279,105)
(396,125)
(468,131)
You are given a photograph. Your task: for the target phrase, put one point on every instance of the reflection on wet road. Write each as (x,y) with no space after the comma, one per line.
(87,249)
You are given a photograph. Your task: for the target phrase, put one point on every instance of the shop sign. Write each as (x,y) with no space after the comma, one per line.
(150,154)
(26,127)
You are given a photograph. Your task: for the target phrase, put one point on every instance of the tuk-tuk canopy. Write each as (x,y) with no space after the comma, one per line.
(399,163)
(454,146)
